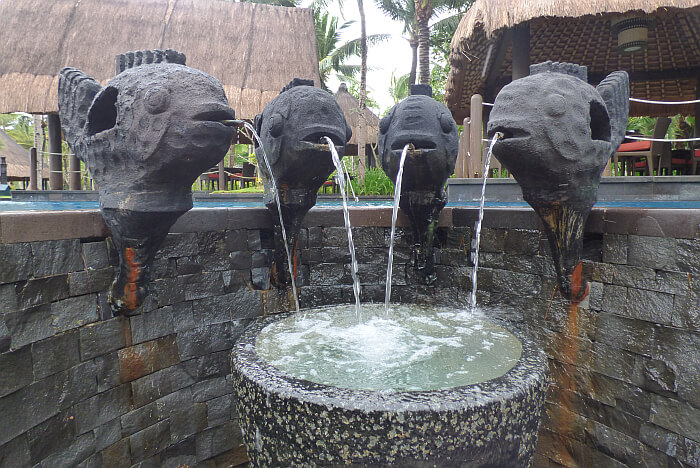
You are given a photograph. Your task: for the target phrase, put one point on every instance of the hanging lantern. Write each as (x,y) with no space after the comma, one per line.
(632,33)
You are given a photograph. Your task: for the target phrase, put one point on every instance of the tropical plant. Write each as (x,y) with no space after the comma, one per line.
(333,55)
(398,87)
(19,127)
(376,183)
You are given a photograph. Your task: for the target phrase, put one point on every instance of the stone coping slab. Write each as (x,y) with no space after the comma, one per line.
(33,226)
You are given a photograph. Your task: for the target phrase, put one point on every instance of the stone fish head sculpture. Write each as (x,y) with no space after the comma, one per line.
(146,136)
(291,128)
(429,127)
(558,133)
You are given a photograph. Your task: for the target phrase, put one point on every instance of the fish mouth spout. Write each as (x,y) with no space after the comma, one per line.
(317,138)
(215,113)
(418,143)
(508,132)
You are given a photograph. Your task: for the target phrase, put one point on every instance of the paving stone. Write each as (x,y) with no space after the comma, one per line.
(145,358)
(179,245)
(200,286)
(80,449)
(188,266)
(225,308)
(105,336)
(659,438)
(15,453)
(659,376)
(236,240)
(151,325)
(150,441)
(51,437)
(139,419)
(262,258)
(74,312)
(211,388)
(649,305)
(634,277)
(254,242)
(30,325)
(220,410)
(217,440)
(260,278)
(90,281)
(241,260)
(8,299)
(56,257)
(315,236)
(208,339)
(676,282)
(367,237)
(328,274)
(689,451)
(676,416)
(614,299)
(102,408)
(5,337)
(117,455)
(687,255)
(617,363)
(659,253)
(615,248)
(214,365)
(108,371)
(158,384)
(42,291)
(16,262)
(188,421)
(181,454)
(95,255)
(686,312)
(107,434)
(16,370)
(182,316)
(55,354)
(629,334)
(624,448)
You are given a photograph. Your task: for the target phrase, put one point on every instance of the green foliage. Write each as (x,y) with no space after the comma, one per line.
(438,79)
(20,127)
(333,55)
(680,127)
(354,90)
(398,87)
(376,183)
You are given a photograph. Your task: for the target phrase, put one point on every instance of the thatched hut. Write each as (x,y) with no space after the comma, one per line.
(351,109)
(17,159)
(253,49)
(497,40)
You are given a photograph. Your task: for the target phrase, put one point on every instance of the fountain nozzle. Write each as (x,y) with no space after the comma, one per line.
(498,135)
(233,123)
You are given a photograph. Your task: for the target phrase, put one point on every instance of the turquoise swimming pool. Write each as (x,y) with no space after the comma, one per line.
(9,205)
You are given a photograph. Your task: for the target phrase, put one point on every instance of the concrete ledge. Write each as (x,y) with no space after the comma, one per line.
(55,225)
(657,188)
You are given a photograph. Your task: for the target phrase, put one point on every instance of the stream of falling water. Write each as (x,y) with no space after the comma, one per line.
(279,211)
(394,215)
(477,234)
(353,265)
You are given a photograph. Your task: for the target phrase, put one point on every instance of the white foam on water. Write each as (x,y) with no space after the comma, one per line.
(416,348)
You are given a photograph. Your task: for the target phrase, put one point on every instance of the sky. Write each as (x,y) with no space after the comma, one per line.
(394,55)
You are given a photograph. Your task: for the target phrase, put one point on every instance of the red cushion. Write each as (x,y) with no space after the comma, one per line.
(680,161)
(697,153)
(213,176)
(640,145)
(640,164)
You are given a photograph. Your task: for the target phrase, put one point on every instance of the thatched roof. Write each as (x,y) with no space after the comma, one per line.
(351,109)
(253,49)
(579,32)
(17,158)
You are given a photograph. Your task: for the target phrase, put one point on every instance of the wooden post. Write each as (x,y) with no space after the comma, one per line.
(55,158)
(475,133)
(32,169)
(75,175)
(521,51)
(461,163)
(222,176)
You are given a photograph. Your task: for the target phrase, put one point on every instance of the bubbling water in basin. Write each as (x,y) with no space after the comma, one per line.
(414,349)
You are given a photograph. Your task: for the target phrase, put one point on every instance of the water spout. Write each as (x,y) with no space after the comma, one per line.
(394,215)
(348,227)
(279,211)
(477,227)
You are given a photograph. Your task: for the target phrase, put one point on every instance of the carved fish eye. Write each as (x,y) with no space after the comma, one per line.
(157,100)
(446,122)
(385,122)
(276,123)
(555,105)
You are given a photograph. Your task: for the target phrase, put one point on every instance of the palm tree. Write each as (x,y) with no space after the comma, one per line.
(398,87)
(404,12)
(424,11)
(334,55)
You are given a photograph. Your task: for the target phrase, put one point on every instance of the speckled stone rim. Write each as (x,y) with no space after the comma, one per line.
(288,421)
(531,367)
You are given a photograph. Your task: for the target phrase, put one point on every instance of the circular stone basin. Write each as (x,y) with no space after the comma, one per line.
(414,387)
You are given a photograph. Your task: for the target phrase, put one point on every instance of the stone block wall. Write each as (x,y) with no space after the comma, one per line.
(79,387)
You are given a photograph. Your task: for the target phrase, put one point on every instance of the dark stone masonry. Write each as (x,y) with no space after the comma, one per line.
(80,387)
